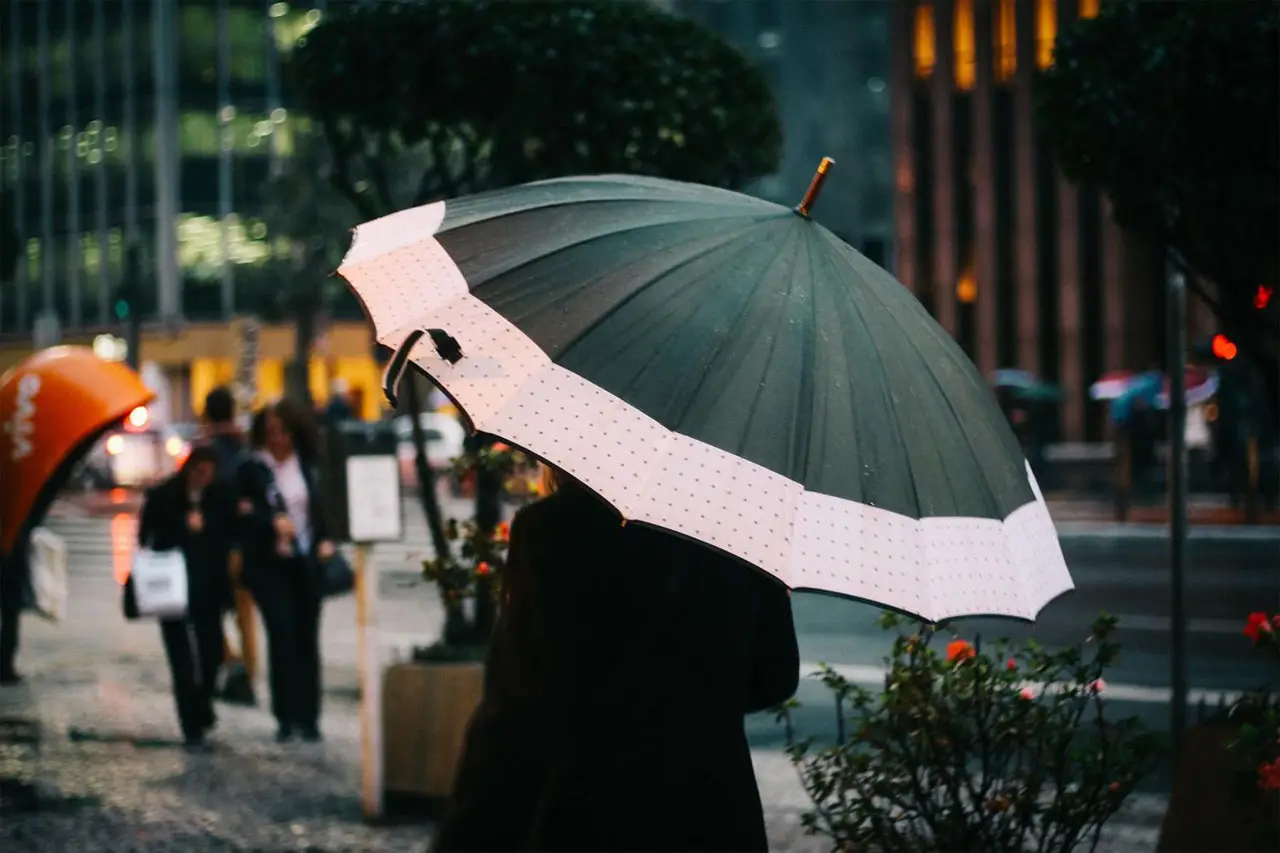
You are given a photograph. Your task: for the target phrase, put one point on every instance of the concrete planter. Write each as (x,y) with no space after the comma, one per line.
(426,709)
(1210,811)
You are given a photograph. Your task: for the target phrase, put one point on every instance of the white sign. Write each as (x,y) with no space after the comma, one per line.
(373,499)
(22,427)
(48,563)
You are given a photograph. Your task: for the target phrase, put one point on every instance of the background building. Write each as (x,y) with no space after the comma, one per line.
(154,125)
(828,61)
(1022,268)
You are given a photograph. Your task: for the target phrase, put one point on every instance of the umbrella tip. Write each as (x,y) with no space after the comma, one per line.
(815,187)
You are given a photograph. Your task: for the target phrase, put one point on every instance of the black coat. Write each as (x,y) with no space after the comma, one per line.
(162,526)
(621,669)
(255,484)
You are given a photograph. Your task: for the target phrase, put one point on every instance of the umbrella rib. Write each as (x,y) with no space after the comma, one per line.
(891,311)
(621,303)
(716,353)
(773,342)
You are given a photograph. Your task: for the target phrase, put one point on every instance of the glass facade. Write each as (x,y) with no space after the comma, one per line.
(144,123)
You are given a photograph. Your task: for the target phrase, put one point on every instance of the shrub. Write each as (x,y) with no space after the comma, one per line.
(969,749)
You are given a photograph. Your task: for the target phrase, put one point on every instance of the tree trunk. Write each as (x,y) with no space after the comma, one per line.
(299,384)
(426,482)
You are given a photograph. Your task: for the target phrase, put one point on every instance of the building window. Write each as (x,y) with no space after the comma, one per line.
(1005,41)
(963,43)
(1046,31)
(1089,8)
(925,41)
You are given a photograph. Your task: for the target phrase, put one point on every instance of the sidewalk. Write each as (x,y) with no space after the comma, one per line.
(1202,510)
(114,778)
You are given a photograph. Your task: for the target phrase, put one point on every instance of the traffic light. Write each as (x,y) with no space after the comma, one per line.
(1262,297)
(1223,348)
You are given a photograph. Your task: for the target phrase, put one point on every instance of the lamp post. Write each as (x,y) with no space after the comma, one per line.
(1177,361)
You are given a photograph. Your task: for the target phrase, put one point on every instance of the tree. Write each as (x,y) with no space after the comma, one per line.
(309,226)
(420,101)
(1173,111)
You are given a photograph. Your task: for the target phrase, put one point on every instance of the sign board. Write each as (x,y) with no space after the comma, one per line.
(362,482)
(373,499)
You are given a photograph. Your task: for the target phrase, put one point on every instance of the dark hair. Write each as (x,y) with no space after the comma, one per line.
(297,422)
(200,455)
(219,406)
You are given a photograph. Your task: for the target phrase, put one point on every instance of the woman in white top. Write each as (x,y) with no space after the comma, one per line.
(285,544)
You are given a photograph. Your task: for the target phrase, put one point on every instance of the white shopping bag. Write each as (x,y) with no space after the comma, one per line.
(160,583)
(47,559)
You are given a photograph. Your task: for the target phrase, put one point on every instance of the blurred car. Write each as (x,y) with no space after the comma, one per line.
(445,437)
(136,455)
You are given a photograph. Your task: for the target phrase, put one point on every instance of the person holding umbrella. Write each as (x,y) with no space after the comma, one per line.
(704,367)
(622,665)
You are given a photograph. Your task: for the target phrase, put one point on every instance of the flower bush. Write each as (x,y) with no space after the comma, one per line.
(965,749)
(469,577)
(1256,714)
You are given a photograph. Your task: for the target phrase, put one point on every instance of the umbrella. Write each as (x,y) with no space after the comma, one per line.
(1152,386)
(54,405)
(1025,386)
(724,368)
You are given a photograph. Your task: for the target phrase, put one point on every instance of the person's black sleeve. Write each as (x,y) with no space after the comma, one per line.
(776,673)
(148,520)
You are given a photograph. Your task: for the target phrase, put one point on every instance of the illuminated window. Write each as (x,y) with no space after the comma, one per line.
(1046,31)
(1089,8)
(925,41)
(963,43)
(1005,41)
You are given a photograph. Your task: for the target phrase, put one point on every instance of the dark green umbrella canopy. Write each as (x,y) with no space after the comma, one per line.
(739,323)
(726,369)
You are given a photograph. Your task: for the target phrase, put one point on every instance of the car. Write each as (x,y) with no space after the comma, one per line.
(136,455)
(445,436)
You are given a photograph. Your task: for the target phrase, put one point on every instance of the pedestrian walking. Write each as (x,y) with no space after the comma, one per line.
(225,437)
(285,543)
(193,512)
(622,666)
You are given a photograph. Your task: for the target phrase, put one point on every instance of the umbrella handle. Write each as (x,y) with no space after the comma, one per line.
(397,365)
(447,347)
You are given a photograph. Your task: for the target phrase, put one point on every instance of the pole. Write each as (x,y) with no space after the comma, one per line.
(1177,360)
(370,688)
(132,323)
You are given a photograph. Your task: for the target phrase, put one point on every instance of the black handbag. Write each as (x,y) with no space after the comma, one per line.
(336,576)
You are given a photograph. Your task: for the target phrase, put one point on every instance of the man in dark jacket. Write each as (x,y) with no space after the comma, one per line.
(226,438)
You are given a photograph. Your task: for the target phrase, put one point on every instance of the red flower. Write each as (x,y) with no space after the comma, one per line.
(1113,787)
(1256,625)
(483,568)
(1011,664)
(500,447)
(502,532)
(959,651)
(1269,775)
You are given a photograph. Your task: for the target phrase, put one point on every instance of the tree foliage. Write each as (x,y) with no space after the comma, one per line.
(425,100)
(1173,110)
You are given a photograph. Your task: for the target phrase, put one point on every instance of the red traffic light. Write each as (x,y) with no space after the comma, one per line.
(1223,348)
(1262,297)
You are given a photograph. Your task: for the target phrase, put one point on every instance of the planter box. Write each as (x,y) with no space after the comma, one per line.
(425,711)
(1207,812)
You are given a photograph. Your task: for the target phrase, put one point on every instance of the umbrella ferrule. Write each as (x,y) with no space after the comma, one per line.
(815,187)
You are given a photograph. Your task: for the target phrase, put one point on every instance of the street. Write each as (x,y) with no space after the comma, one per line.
(109,759)
(1229,575)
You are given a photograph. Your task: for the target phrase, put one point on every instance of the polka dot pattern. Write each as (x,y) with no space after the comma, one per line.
(718,498)
(404,288)
(935,568)
(379,237)
(606,444)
